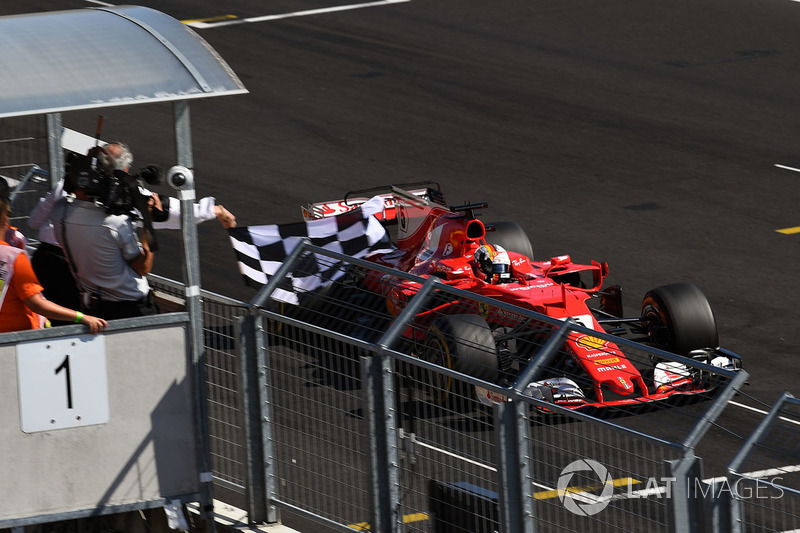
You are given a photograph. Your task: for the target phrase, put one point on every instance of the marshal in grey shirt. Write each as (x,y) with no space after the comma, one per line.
(100,246)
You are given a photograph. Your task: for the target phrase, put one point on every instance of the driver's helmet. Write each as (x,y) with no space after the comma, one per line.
(493,261)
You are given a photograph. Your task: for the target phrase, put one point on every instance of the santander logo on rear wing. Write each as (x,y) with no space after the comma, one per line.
(337,207)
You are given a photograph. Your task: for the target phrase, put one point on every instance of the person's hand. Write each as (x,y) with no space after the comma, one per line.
(225,217)
(154,203)
(96,325)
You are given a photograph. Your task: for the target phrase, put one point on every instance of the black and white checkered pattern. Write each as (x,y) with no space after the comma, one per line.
(260,250)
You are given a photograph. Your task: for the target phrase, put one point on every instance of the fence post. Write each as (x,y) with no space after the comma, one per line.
(378,385)
(191,273)
(685,474)
(515,499)
(687,511)
(736,510)
(257,420)
(55,151)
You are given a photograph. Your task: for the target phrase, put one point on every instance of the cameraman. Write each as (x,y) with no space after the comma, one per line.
(110,262)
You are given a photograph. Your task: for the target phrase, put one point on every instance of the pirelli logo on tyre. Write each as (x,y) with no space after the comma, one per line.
(591,343)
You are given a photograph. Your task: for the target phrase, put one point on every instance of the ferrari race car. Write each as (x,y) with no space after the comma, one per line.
(495,260)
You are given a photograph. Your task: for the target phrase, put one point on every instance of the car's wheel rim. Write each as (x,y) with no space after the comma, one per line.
(438,353)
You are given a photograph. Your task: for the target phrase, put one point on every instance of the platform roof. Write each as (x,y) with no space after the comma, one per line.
(100,57)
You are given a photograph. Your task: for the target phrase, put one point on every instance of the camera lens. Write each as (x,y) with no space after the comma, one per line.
(178,180)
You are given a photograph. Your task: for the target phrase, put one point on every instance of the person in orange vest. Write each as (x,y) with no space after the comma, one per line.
(21,302)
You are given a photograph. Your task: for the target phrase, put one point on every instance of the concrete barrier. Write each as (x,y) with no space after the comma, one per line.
(93,425)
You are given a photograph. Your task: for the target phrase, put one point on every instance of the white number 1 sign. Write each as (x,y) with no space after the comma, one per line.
(62,383)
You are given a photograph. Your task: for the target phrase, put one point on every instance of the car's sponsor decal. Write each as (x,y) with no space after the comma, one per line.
(402,217)
(488,397)
(591,343)
(538,285)
(622,366)
(607,361)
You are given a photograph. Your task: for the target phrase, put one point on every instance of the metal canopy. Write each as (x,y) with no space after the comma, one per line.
(99,57)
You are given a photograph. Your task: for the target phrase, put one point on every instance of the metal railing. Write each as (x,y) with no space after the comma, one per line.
(318,408)
(330,410)
(228,447)
(358,429)
(763,488)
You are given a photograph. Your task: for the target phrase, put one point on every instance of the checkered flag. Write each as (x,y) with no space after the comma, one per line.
(260,250)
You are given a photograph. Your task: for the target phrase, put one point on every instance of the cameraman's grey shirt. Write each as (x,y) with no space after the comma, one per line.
(100,246)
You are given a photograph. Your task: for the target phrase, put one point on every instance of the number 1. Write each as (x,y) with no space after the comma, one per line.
(65,366)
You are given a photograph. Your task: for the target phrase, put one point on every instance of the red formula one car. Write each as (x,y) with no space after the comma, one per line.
(496,261)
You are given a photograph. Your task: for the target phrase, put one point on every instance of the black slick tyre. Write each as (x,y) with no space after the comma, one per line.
(463,343)
(510,236)
(679,318)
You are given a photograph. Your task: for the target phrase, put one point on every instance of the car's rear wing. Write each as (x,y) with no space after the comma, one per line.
(388,193)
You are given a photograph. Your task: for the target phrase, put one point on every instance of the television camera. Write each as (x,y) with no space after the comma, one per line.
(119,192)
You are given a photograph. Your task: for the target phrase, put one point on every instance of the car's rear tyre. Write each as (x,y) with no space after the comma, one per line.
(679,318)
(463,343)
(510,236)
(276,327)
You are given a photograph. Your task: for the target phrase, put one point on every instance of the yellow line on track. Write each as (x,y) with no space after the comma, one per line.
(541,495)
(210,19)
(789,231)
(549,494)
(407,519)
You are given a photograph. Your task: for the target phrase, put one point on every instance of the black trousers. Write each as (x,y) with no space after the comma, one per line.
(111,310)
(51,268)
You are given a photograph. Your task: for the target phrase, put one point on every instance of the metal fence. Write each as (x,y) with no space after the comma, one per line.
(325,411)
(23,144)
(333,407)
(224,394)
(363,429)
(764,488)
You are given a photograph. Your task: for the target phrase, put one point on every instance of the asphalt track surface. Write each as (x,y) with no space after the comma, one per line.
(643,134)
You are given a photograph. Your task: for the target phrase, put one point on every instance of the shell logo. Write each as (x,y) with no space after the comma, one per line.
(592,343)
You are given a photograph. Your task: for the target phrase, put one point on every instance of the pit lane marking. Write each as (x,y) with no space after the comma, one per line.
(203,24)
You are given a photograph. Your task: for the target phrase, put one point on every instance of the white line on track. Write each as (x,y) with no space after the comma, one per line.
(784,166)
(451,454)
(205,25)
(761,411)
(642,493)
(470,461)
(99,3)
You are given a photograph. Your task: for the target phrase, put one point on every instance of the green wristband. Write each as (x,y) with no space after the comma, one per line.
(78,317)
